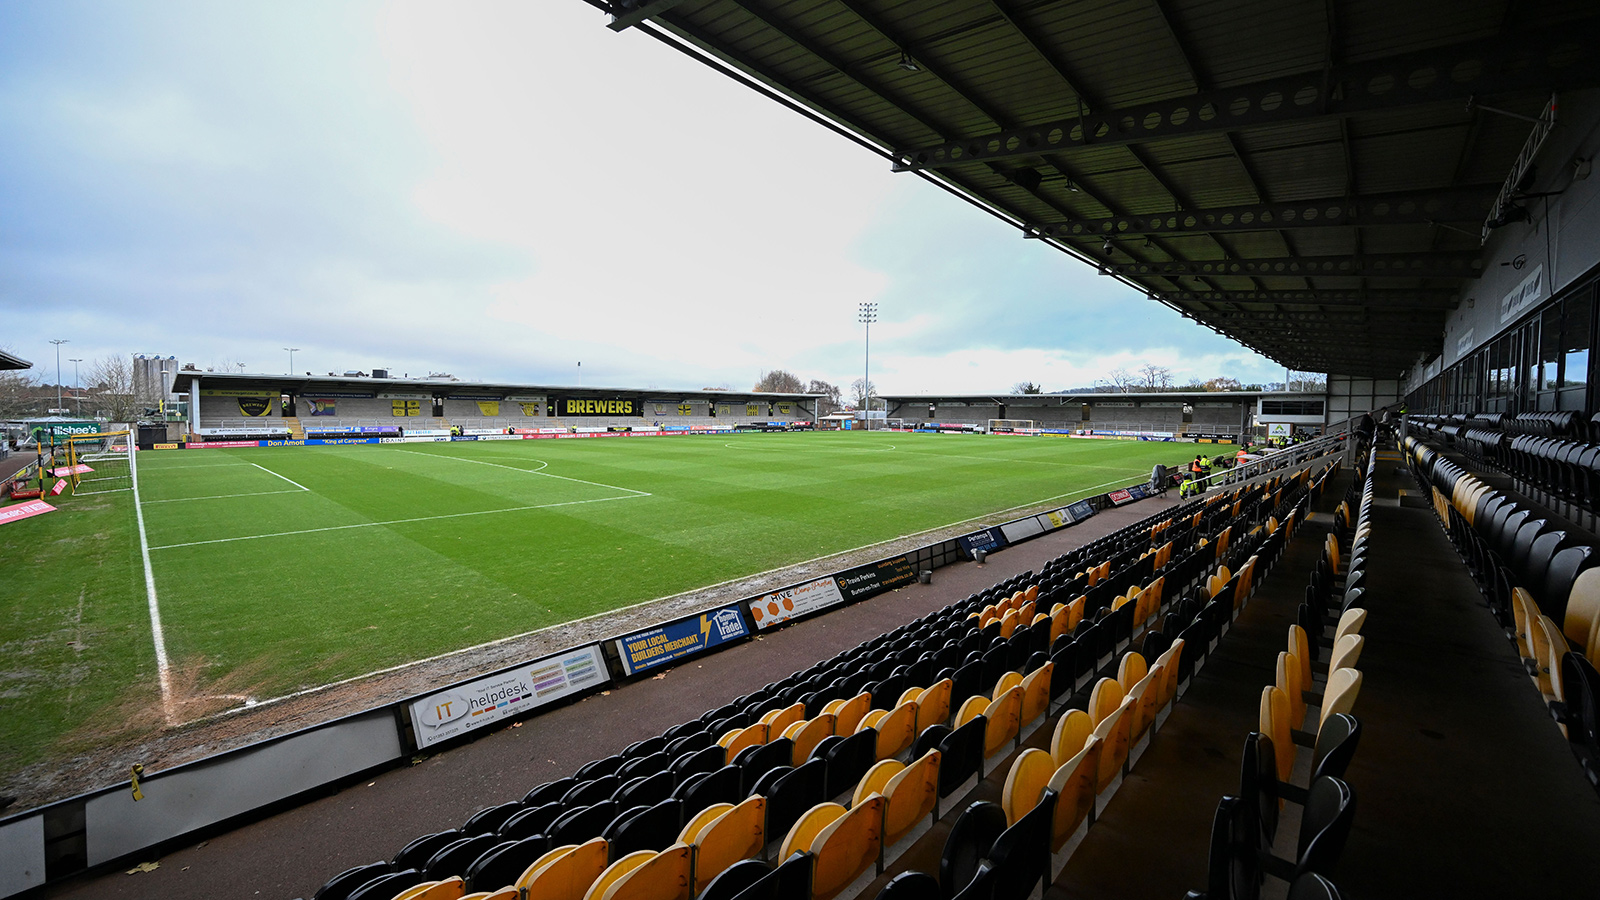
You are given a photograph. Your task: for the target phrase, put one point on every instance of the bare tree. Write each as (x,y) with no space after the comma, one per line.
(830,395)
(19,395)
(1312,382)
(1155,378)
(112,391)
(779,381)
(1117,381)
(1026,387)
(1223,383)
(860,391)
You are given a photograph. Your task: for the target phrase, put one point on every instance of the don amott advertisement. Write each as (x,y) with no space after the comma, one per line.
(475,704)
(781,606)
(675,640)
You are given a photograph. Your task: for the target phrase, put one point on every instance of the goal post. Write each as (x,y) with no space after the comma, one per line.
(100,463)
(1011,426)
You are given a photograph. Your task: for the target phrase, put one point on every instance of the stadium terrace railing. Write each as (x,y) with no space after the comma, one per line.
(111,825)
(1271,462)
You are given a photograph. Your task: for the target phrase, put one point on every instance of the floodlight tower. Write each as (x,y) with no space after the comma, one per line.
(77,386)
(291,358)
(867,315)
(58,344)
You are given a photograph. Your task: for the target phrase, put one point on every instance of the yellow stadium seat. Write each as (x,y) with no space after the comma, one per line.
(1300,646)
(1146,697)
(739,833)
(1113,732)
(449,889)
(1005,720)
(909,792)
(1007,681)
(847,714)
(971,709)
(1131,669)
(740,738)
(1104,699)
(663,876)
(1583,609)
(1274,723)
(1344,685)
(1072,732)
(933,706)
(565,873)
(615,872)
(1549,646)
(1288,681)
(1075,784)
(897,729)
(779,719)
(1075,611)
(1031,595)
(701,820)
(1008,624)
(1173,654)
(806,736)
(1036,693)
(843,843)
(1026,781)
(1346,653)
(1350,622)
(505,893)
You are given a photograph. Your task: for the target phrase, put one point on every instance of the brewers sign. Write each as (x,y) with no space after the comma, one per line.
(573,407)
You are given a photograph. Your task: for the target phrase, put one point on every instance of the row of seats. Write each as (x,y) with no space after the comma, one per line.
(1543,584)
(811,737)
(1005,850)
(1246,838)
(1558,464)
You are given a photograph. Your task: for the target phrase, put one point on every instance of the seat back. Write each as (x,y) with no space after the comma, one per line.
(910,794)
(1344,685)
(1074,784)
(1113,733)
(659,876)
(501,864)
(655,828)
(792,794)
(933,705)
(735,835)
(1274,723)
(969,842)
(1029,776)
(1336,745)
(735,880)
(341,885)
(1020,856)
(1104,699)
(846,847)
(1002,721)
(757,761)
(894,731)
(850,758)
(1350,622)
(1131,670)
(1330,808)
(962,752)
(565,873)
(1036,693)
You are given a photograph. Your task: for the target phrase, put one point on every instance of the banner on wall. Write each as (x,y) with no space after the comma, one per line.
(513,692)
(1081,510)
(614,407)
(676,640)
(403,408)
(875,578)
(529,409)
(988,540)
(1118,498)
(255,407)
(488,407)
(322,406)
(781,606)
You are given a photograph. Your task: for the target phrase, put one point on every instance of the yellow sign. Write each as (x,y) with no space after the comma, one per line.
(751,409)
(406,407)
(164,446)
(529,409)
(489,407)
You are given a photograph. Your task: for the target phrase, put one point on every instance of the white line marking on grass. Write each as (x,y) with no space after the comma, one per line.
(276,475)
(481,512)
(220,465)
(622,609)
(163,667)
(227,496)
(539,471)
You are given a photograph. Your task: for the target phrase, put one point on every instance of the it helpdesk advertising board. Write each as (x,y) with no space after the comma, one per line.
(675,640)
(513,692)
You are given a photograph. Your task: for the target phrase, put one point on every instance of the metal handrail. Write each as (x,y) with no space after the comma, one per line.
(1289,456)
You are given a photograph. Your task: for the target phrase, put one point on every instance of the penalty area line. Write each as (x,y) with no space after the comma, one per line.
(276,475)
(538,471)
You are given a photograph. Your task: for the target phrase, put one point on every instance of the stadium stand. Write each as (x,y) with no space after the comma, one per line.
(838,799)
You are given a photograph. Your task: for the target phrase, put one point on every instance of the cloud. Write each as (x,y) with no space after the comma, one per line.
(498,190)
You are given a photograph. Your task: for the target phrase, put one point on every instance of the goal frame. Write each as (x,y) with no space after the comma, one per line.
(1011,426)
(80,452)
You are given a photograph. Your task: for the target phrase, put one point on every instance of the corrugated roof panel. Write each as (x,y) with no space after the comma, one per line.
(1243,49)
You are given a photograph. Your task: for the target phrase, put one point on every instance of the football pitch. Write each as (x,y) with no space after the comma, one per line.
(277,570)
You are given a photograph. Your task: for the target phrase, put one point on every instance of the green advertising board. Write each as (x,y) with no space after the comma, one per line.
(57,431)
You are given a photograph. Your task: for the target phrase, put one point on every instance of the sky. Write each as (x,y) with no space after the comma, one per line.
(500,191)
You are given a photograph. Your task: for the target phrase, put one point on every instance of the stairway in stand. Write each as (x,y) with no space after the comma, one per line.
(295,431)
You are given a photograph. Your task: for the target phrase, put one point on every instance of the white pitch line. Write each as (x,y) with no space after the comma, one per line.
(163,667)
(481,512)
(609,487)
(275,474)
(226,496)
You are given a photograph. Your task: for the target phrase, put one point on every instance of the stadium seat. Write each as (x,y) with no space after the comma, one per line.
(1020,856)
(385,887)
(454,857)
(1074,783)
(500,865)
(1029,776)
(739,738)
(565,873)
(756,761)
(1113,734)
(893,730)
(1071,733)
(341,885)
(971,837)
(850,757)
(780,719)
(722,786)
(582,823)
(1343,687)
(1036,694)
(416,853)
(737,833)
(647,790)
(647,876)
(844,843)
(654,828)
(848,713)
(488,821)
(807,734)
(792,793)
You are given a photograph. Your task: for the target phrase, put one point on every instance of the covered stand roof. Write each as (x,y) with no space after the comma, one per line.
(7,361)
(1309,178)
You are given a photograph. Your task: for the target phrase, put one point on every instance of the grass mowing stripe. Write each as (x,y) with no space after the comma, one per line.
(227,496)
(163,668)
(480,512)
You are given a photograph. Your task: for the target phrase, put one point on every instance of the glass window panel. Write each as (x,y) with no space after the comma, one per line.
(1549,348)
(1575,340)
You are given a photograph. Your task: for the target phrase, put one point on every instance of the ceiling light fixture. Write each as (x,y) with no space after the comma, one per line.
(1107,248)
(907,63)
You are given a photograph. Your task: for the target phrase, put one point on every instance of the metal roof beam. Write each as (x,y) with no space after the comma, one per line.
(1374,265)
(1544,60)
(628,14)
(1424,208)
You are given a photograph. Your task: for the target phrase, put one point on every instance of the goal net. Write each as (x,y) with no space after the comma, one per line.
(99,463)
(1011,426)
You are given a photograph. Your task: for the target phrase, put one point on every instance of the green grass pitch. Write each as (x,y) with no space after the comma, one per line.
(278,570)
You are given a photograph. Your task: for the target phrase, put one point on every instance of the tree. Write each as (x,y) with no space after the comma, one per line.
(860,391)
(1223,383)
(1155,378)
(830,395)
(1026,387)
(779,381)
(19,395)
(112,391)
(1117,381)
(1308,381)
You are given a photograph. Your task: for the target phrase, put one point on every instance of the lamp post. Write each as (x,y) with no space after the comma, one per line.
(867,315)
(77,386)
(291,358)
(241,368)
(58,370)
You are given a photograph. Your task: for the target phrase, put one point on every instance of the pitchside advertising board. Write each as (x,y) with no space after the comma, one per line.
(988,540)
(874,578)
(778,607)
(676,640)
(507,694)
